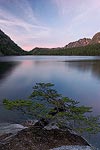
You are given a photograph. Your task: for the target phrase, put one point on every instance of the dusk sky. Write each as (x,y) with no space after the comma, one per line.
(49,23)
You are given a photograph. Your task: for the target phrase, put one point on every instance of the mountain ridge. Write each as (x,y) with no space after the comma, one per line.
(85,41)
(95,39)
(85,46)
(8,46)
(79,43)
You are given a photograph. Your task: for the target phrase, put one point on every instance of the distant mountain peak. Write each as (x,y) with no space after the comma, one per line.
(96,38)
(85,41)
(79,43)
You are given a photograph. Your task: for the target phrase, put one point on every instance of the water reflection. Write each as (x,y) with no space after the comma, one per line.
(85,66)
(79,80)
(6,68)
(75,78)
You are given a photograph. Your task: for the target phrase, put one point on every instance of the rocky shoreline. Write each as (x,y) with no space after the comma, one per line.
(18,137)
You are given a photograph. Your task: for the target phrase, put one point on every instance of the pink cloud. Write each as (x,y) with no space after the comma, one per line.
(76,18)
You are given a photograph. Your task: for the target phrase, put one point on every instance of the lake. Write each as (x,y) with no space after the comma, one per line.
(77,77)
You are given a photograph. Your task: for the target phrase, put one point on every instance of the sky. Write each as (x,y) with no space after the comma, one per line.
(49,23)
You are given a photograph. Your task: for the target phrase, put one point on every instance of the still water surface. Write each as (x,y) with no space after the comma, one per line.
(73,76)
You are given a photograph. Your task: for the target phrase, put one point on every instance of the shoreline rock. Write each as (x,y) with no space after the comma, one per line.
(37,138)
(75,147)
(7,131)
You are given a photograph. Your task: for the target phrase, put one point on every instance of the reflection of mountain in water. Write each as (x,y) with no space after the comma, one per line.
(85,66)
(6,68)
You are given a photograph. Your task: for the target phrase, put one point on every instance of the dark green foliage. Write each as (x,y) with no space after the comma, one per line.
(11,49)
(47,104)
(89,50)
(8,47)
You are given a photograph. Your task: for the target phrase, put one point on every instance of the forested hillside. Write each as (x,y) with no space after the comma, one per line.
(8,47)
(89,50)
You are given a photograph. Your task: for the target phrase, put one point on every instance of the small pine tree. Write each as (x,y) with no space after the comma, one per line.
(47,105)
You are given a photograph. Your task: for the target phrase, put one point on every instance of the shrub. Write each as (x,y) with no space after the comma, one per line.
(47,105)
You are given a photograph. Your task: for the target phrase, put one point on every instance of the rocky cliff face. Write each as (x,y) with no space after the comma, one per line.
(95,39)
(8,47)
(85,41)
(79,43)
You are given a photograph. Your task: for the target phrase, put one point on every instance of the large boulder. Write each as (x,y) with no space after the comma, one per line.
(38,138)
